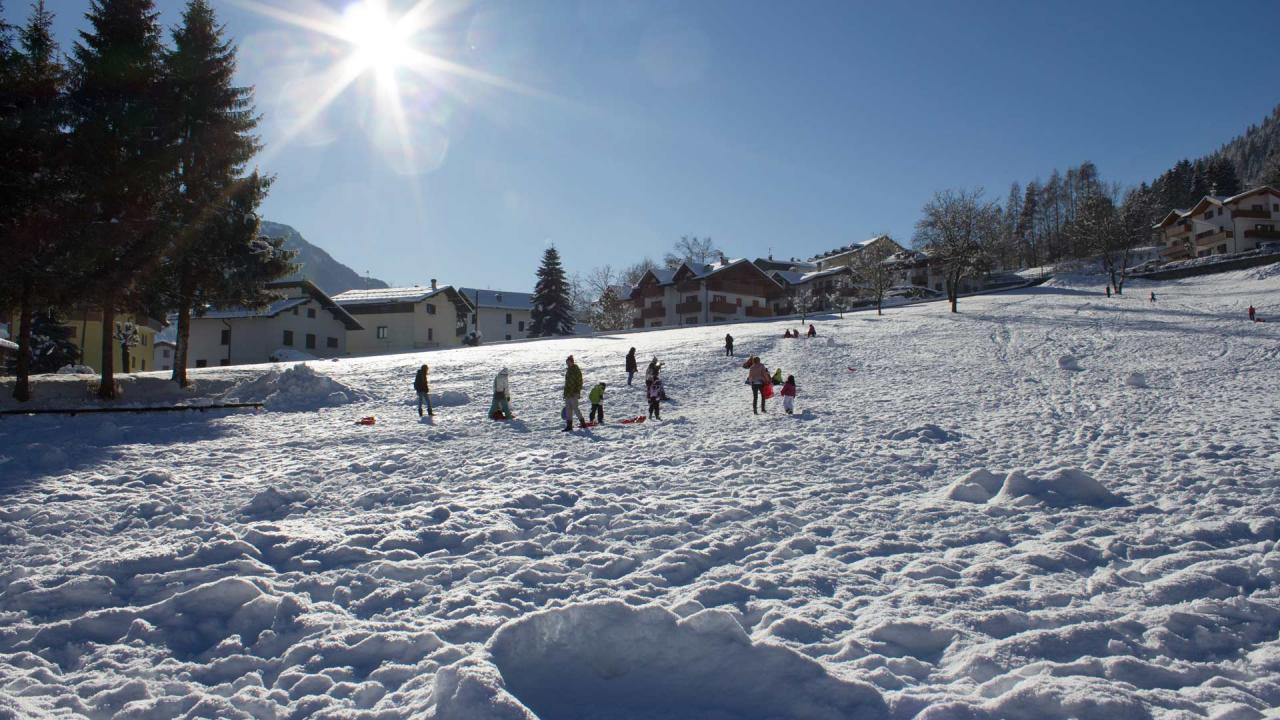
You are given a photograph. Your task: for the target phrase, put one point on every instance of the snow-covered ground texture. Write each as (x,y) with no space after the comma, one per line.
(1051,505)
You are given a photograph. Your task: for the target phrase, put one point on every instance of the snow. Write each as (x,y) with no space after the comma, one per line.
(962,528)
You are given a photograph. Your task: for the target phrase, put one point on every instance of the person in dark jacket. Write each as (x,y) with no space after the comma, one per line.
(423,387)
(572,394)
(631,365)
(654,393)
(813,332)
(728,345)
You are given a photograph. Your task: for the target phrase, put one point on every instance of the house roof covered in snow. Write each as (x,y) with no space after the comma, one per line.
(791,277)
(500,299)
(394,296)
(310,292)
(8,345)
(855,247)
(1212,201)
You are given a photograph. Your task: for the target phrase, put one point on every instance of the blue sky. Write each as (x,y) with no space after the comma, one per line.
(613,127)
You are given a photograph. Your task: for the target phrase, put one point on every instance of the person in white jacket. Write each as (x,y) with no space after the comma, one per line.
(501,396)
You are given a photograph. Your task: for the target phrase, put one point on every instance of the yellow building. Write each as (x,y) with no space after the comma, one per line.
(86,333)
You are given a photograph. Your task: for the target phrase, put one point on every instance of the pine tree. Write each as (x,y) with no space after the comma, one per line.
(35,184)
(1222,177)
(123,158)
(49,346)
(552,313)
(216,208)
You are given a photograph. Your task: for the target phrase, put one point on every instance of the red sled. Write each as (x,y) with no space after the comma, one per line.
(367,420)
(634,421)
(852,369)
(767,391)
(497,415)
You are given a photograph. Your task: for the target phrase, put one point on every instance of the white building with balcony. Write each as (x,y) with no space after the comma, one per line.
(1219,225)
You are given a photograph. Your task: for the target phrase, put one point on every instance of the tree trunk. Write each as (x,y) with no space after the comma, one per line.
(22,388)
(880,305)
(107,380)
(953,293)
(184,338)
(124,356)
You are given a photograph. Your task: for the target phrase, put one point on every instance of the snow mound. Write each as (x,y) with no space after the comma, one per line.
(1136,380)
(76,370)
(273,504)
(1063,487)
(1069,362)
(611,660)
(298,387)
(927,433)
(449,398)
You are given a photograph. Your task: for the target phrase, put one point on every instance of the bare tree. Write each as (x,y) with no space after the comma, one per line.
(693,250)
(632,273)
(612,306)
(1110,232)
(957,230)
(874,273)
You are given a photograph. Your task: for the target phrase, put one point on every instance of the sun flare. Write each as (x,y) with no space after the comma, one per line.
(379,42)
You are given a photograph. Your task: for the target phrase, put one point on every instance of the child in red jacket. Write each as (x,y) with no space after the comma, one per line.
(789,395)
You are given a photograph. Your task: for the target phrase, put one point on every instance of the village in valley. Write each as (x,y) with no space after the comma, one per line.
(1011,455)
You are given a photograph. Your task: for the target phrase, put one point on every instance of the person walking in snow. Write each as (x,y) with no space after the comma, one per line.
(423,387)
(1153,297)
(728,345)
(813,332)
(596,396)
(1253,314)
(500,408)
(757,377)
(654,393)
(1108,291)
(789,395)
(572,394)
(631,365)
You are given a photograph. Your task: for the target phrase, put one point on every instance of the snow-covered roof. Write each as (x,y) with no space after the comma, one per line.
(271,310)
(1178,214)
(791,277)
(847,249)
(169,335)
(502,299)
(378,296)
(8,345)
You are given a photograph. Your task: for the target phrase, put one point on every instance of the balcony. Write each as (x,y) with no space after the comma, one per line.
(1242,213)
(758,312)
(1263,234)
(720,307)
(685,308)
(654,311)
(637,323)
(1213,237)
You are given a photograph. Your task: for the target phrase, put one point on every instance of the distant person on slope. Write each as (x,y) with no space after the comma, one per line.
(1253,314)
(728,345)
(631,365)
(789,395)
(654,393)
(596,396)
(813,332)
(572,394)
(423,387)
(758,377)
(1108,291)
(1153,297)
(500,409)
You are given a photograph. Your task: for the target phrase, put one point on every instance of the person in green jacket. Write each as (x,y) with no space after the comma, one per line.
(596,396)
(777,376)
(572,395)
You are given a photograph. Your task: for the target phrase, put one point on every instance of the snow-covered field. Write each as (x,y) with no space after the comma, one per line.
(1052,505)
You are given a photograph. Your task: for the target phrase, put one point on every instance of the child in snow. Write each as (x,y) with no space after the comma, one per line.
(631,365)
(596,396)
(500,408)
(728,345)
(777,376)
(1253,314)
(789,395)
(1108,291)
(654,392)
(757,377)
(813,332)
(423,387)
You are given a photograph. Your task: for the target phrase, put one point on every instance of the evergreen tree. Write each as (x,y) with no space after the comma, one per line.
(123,159)
(49,346)
(35,185)
(213,123)
(552,313)
(1271,171)
(1222,178)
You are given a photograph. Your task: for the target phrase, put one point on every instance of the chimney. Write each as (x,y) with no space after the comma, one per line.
(433,284)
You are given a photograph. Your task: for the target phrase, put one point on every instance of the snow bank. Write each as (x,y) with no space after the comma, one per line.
(611,660)
(448,398)
(1069,362)
(1062,487)
(927,433)
(1136,380)
(298,387)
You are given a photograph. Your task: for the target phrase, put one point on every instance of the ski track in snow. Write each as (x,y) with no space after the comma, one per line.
(1119,558)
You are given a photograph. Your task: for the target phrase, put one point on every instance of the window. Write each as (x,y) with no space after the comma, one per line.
(431,335)
(717,298)
(691,298)
(224,362)
(165,354)
(1260,208)
(497,297)
(508,318)
(295,310)
(133,363)
(1208,214)
(431,309)
(508,337)
(331,343)
(521,326)
(691,321)
(288,338)
(1219,212)
(382,332)
(1275,207)
(311,312)
(226,337)
(202,363)
(739,301)
(311,341)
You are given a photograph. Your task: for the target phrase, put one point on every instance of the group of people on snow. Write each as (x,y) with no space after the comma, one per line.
(758,377)
(788,333)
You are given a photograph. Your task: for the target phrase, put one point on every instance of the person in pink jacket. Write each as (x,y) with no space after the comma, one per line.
(789,395)
(758,378)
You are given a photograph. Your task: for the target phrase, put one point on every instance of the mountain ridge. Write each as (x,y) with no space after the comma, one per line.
(316,264)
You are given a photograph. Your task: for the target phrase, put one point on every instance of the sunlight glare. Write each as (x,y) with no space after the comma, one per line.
(379,43)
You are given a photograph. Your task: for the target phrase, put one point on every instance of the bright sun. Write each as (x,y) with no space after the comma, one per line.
(380,43)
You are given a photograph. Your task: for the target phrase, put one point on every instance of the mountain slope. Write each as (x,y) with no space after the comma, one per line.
(317,265)
(1250,151)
